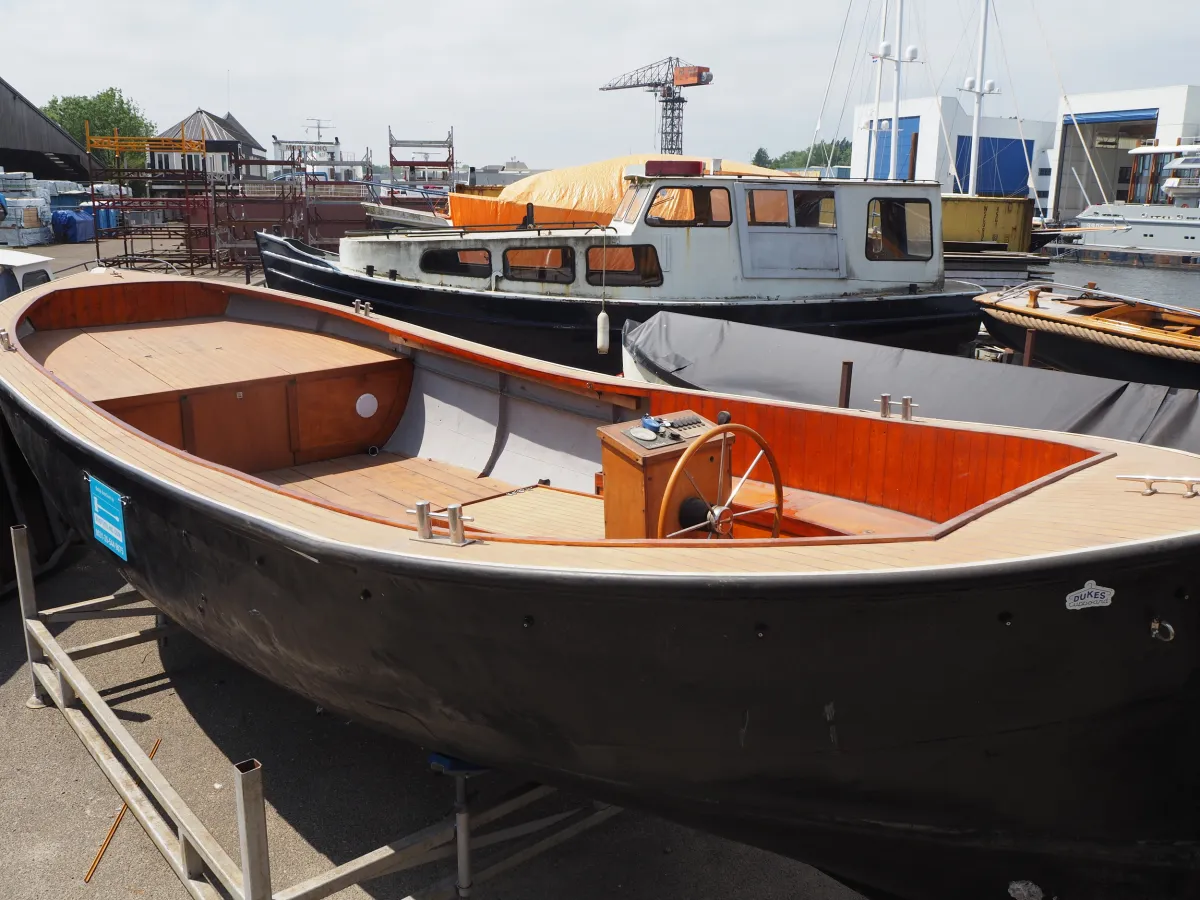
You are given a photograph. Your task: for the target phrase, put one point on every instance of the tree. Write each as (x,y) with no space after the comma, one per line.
(103,112)
(823,153)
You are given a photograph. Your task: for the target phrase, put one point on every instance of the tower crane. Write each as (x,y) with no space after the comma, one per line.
(666,79)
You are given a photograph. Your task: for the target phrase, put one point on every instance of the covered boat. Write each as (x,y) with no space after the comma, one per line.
(935,660)
(861,260)
(1093,332)
(710,355)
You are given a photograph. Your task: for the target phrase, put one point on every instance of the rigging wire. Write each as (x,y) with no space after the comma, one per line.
(937,89)
(828,84)
(1030,183)
(860,53)
(1067,100)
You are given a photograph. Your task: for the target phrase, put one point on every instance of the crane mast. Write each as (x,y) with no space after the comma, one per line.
(666,80)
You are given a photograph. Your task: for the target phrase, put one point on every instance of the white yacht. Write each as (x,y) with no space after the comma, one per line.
(1161,212)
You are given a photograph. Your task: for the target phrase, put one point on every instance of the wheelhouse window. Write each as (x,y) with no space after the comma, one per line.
(467,263)
(814,209)
(626,202)
(635,205)
(690,207)
(555,265)
(899,229)
(635,266)
(34,278)
(767,207)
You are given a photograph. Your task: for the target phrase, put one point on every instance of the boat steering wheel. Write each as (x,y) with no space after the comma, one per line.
(719,517)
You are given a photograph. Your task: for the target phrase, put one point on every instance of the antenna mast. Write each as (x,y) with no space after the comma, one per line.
(980,88)
(318,124)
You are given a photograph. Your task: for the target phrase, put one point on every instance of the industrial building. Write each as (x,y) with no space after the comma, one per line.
(1109,125)
(31,142)
(938,131)
(225,141)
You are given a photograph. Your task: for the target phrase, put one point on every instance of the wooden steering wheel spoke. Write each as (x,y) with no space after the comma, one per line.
(720,518)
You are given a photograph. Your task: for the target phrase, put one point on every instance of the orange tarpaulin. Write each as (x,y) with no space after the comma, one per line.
(581,194)
(468,209)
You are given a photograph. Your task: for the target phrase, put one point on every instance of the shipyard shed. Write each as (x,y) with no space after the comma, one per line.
(31,142)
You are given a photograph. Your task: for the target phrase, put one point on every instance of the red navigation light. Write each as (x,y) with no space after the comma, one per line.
(674,167)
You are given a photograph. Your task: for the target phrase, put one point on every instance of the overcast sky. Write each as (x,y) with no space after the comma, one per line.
(521,77)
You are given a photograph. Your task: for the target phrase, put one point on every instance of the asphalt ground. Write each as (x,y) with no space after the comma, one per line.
(334,789)
(70,259)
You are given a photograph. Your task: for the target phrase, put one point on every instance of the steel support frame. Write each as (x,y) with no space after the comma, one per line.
(199,862)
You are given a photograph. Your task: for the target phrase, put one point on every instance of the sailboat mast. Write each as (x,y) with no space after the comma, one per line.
(979,89)
(871,157)
(892,169)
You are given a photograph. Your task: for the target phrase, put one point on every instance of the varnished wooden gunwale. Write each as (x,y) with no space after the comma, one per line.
(1100,322)
(1091,511)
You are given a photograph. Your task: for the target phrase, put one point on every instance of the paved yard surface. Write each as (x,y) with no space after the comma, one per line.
(72,258)
(334,790)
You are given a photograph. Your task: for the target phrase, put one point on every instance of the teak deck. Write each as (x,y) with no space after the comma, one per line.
(1084,508)
(106,362)
(386,485)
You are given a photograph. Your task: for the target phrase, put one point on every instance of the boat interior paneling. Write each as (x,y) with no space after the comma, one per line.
(116,305)
(925,472)
(515,429)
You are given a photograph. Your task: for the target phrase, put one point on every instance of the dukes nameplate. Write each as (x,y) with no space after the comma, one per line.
(1091,594)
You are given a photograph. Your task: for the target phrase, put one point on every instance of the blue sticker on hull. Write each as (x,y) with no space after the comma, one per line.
(108,517)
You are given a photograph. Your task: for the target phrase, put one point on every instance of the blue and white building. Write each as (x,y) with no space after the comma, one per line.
(1111,125)
(1014,156)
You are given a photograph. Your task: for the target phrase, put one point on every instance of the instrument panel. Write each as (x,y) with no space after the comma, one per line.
(654,431)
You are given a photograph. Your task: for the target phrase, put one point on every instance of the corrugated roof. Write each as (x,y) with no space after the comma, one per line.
(238,128)
(213,127)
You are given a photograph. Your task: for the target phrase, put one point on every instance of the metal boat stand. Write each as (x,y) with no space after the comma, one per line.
(206,871)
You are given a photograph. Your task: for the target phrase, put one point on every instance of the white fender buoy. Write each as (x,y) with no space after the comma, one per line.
(602,332)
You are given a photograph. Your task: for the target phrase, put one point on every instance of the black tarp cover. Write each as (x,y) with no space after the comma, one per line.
(713,355)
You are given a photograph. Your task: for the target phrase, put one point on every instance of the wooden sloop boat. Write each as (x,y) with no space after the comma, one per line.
(967,661)
(1092,332)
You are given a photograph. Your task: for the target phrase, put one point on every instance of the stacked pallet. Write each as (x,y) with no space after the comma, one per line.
(32,202)
(28,221)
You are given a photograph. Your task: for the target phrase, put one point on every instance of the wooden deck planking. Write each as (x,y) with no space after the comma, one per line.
(387,484)
(541,512)
(109,361)
(92,368)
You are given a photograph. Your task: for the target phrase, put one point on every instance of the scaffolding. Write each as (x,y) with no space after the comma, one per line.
(179,218)
(191,217)
(424,183)
(243,208)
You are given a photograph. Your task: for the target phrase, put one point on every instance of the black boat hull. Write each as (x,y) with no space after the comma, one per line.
(1083,357)
(933,734)
(563,330)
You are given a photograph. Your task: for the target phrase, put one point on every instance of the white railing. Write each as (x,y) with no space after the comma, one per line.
(340,191)
(318,190)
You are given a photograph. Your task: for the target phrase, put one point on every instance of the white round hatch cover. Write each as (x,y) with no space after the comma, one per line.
(366,405)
